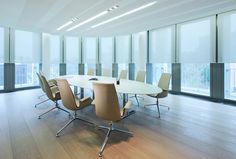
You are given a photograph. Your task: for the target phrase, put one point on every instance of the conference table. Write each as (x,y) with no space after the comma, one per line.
(124,87)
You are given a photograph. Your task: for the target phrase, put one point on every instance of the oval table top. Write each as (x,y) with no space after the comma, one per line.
(125,86)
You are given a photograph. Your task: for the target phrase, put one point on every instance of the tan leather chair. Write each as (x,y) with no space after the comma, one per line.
(140,78)
(42,87)
(91,72)
(107,107)
(53,94)
(71,102)
(163,83)
(123,74)
(51,82)
(106,72)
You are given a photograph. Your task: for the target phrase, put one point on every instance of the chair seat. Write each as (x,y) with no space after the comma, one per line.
(55,93)
(81,103)
(159,95)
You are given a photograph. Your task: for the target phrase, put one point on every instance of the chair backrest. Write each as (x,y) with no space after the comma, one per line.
(141,76)
(47,88)
(106,102)
(91,72)
(67,96)
(40,82)
(123,74)
(106,72)
(164,81)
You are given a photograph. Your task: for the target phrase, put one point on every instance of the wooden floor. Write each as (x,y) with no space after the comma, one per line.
(192,129)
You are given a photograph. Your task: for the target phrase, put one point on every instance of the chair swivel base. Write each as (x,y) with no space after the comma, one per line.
(39,117)
(69,122)
(41,102)
(110,129)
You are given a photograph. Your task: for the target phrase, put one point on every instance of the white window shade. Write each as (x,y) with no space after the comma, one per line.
(106,50)
(139,49)
(55,49)
(123,46)
(196,41)
(72,49)
(90,50)
(1,45)
(161,45)
(27,47)
(227,37)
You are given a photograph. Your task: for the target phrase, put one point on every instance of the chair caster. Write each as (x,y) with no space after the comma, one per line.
(39,117)
(100,154)
(57,135)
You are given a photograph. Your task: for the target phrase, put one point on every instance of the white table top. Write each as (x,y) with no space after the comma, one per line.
(125,86)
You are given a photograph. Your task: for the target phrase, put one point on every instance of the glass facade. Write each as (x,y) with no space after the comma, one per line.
(158,69)
(230,81)
(1,58)
(195,78)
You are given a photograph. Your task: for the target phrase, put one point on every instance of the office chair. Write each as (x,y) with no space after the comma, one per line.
(71,102)
(91,72)
(53,94)
(44,91)
(107,107)
(106,72)
(163,83)
(140,78)
(123,74)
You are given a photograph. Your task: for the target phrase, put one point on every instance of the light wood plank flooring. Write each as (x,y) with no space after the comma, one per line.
(192,129)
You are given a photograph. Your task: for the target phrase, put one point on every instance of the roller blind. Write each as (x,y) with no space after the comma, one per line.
(161,44)
(139,49)
(90,50)
(196,41)
(123,47)
(72,50)
(106,50)
(55,49)
(1,45)
(227,37)
(27,47)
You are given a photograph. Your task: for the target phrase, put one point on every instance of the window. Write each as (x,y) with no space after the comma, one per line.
(139,51)
(158,69)
(195,78)
(72,55)
(55,49)
(106,53)
(89,53)
(123,48)
(227,49)
(196,50)
(161,52)
(27,58)
(1,58)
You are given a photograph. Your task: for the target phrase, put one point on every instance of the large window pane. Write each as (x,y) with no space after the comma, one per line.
(1,58)
(196,41)
(123,46)
(195,78)
(106,53)
(55,49)
(161,45)
(26,75)
(72,55)
(227,37)
(27,58)
(230,81)
(90,50)
(158,69)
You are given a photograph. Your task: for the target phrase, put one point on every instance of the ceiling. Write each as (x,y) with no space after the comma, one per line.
(48,15)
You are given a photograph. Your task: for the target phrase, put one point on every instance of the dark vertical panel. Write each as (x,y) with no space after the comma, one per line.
(217,81)
(9,77)
(98,69)
(114,70)
(176,77)
(62,69)
(81,69)
(149,74)
(131,71)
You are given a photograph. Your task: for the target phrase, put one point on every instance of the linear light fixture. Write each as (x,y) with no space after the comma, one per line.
(124,14)
(67,23)
(92,18)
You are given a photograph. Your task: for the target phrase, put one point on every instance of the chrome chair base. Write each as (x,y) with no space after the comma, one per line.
(56,106)
(41,96)
(70,121)
(110,129)
(136,97)
(41,102)
(158,107)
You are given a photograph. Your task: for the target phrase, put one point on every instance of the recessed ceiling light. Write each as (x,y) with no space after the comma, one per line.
(92,18)
(124,14)
(68,23)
